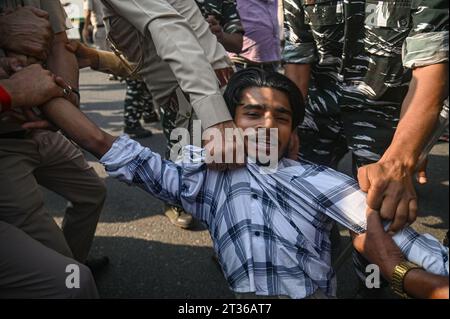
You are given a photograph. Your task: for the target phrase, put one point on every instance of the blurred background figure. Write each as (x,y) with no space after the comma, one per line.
(262,38)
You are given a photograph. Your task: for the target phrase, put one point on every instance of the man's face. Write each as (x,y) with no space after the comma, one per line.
(266,108)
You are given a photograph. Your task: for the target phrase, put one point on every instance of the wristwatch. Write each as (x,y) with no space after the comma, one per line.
(398,277)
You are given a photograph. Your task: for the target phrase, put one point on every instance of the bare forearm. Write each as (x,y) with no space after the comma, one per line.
(78,127)
(420,284)
(420,113)
(64,63)
(232,42)
(299,74)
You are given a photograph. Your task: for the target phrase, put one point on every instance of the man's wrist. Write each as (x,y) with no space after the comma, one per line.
(406,161)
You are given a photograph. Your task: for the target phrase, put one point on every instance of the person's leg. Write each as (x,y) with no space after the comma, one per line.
(133,108)
(149,114)
(28,269)
(66,172)
(21,200)
(322,139)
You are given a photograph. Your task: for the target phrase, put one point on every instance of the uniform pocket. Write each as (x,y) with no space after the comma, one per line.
(323,12)
(387,24)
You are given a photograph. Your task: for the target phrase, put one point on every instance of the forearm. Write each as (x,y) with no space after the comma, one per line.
(420,284)
(63,63)
(78,127)
(420,113)
(232,42)
(300,75)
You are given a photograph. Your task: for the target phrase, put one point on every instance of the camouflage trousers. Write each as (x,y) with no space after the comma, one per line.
(176,113)
(138,103)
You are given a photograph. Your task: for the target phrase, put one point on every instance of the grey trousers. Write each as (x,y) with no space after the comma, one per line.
(29,269)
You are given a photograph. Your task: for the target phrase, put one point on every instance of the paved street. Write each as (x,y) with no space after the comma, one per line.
(150,258)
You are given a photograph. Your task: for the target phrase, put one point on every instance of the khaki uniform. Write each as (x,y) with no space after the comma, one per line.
(171,45)
(29,159)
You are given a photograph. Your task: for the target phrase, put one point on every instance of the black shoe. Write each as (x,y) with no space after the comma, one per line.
(137,132)
(97,264)
(151,117)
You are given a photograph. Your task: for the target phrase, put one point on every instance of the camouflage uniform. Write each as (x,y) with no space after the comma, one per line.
(361,54)
(138,103)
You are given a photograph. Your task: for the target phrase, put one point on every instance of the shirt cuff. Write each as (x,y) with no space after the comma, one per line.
(304,53)
(425,49)
(122,152)
(212,110)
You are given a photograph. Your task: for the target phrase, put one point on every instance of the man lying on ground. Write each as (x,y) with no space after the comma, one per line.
(270,228)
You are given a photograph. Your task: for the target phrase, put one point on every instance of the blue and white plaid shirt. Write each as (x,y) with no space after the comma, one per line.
(271,232)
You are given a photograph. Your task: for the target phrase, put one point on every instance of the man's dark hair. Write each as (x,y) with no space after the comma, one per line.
(254,77)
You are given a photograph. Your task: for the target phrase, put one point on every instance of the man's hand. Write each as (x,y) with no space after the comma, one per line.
(390,191)
(32,86)
(26,31)
(8,66)
(35,121)
(216,28)
(377,246)
(224,146)
(224,75)
(86,57)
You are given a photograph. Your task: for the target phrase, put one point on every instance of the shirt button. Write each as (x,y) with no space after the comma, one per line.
(257,233)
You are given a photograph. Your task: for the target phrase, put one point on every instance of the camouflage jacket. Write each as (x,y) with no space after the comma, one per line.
(362,51)
(225,11)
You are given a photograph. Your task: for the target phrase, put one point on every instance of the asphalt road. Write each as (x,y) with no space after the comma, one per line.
(151,258)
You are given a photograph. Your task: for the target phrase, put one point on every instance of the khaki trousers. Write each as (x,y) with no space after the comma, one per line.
(49,159)
(29,269)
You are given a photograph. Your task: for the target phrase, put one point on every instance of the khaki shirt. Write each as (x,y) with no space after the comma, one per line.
(170,42)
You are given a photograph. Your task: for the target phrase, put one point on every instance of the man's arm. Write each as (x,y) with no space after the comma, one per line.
(127,160)
(31,86)
(380,249)
(63,63)
(389,182)
(299,49)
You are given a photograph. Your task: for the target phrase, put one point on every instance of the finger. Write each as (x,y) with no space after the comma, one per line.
(72,46)
(401,217)
(38,12)
(363,179)
(412,214)
(42,124)
(422,177)
(30,115)
(60,81)
(389,206)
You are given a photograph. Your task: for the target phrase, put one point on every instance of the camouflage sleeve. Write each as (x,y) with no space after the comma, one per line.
(231,22)
(427,43)
(299,45)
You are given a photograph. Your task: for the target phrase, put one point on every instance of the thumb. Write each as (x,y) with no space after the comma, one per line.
(422,173)
(363,179)
(72,46)
(374,223)
(38,12)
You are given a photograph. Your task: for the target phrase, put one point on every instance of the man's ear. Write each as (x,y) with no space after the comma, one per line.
(294,145)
